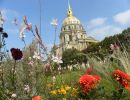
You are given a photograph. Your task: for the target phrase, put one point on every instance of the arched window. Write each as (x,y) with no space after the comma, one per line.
(81,36)
(64,39)
(70,37)
(69,27)
(72,26)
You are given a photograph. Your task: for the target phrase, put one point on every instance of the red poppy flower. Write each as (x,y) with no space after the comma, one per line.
(88,82)
(16,53)
(122,78)
(37,98)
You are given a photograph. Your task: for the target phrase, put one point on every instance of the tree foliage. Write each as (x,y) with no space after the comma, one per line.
(102,48)
(73,56)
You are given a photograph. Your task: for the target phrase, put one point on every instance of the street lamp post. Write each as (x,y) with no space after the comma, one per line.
(54,23)
(40,20)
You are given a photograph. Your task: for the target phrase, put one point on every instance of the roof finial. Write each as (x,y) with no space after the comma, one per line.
(69,10)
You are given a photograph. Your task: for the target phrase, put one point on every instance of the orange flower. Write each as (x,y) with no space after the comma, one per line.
(37,98)
(122,78)
(88,82)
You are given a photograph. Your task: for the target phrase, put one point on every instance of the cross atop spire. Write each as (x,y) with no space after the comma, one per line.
(70,13)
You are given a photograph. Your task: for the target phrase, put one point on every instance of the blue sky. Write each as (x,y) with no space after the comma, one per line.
(100,18)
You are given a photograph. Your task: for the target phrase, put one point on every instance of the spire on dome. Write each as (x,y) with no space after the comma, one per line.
(69,10)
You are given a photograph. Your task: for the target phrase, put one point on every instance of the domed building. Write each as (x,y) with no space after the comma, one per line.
(73,34)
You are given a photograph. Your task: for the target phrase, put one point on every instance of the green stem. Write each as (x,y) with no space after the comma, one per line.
(2,76)
(13,81)
(120,93)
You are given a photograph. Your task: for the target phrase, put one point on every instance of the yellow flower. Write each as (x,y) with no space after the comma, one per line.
(54,92)
(74,92)
(67,88)
(58,91)
(64,98)
(63,91)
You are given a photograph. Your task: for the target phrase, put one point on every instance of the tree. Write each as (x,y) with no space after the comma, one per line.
(102,48)
(73,56)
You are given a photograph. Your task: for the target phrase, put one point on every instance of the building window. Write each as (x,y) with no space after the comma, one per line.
(70,37)
(81,36)
(69,27)
(64,39)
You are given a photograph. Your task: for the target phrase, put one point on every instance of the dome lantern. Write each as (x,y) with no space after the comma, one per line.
(70,13)
(70,19)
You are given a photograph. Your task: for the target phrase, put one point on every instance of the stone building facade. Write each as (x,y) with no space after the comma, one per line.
(73,34)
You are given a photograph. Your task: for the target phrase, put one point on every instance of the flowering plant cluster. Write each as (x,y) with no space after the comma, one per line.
(57,59)
(122,78)
(63,90)
(41,72)
(88,82)
(114,47)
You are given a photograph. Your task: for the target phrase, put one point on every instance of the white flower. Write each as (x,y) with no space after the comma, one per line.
(57,59)
(70,68)
(22,35)
(24,26)
(13,95)
(26,88)
(36,55)
(59,68)
(53,79)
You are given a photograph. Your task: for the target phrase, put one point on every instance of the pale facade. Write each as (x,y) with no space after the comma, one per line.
(73,34)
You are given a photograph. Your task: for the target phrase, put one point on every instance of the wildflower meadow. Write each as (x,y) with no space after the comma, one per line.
(33,72)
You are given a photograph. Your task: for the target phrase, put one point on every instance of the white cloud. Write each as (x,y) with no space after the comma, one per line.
(97,22)
(123,17)
(104,31)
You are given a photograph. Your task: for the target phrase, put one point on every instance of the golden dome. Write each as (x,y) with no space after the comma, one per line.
(70,19)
